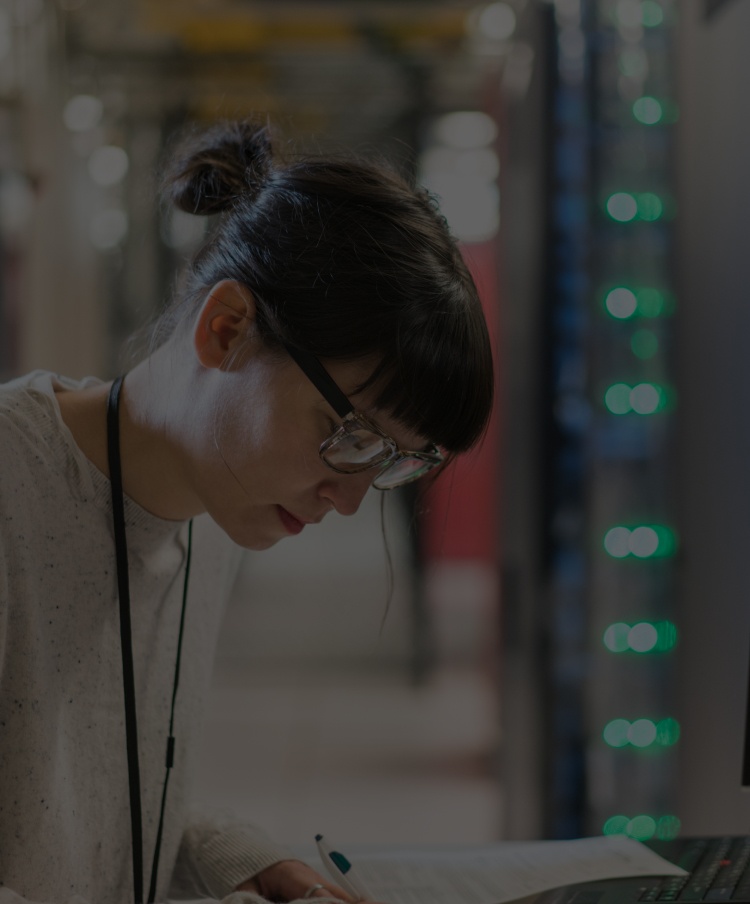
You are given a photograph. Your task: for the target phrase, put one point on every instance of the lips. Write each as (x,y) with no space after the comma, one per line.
(291,524)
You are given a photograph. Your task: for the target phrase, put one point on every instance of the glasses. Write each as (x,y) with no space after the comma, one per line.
(358,444)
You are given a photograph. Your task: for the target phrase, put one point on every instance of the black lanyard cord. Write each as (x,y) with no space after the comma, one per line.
(170,739)
(128,674)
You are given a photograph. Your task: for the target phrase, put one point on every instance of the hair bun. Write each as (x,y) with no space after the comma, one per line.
(211,170)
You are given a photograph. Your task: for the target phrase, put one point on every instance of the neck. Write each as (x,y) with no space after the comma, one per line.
(155,471)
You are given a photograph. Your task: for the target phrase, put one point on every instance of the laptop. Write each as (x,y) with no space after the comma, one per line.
(718,867)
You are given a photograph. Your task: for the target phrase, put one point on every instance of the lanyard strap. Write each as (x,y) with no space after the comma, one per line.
(128,674)
(170,740)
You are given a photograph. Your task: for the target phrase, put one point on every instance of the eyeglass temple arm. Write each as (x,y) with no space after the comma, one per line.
(321,379)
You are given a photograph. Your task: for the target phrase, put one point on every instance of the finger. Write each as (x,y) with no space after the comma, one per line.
(292,880)
(327,890)
(321,893)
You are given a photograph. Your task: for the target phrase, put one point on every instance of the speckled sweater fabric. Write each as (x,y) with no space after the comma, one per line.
(64,805)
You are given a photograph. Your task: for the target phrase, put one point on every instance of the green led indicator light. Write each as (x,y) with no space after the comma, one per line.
(616,636)
(668,827)
(643,827)
(625,207)
(642,637)
(645,541)
(617,542)
(651,302)
(667,540)
(652,15)
(615,733)
(621,302)
(622,207)
(624,302)
(648,110)
(667,639)
(650,206)
(617,398)
(641,733)
(615,825)
(667,732)
(643,398)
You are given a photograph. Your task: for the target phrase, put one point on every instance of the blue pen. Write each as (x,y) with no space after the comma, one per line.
(342,871)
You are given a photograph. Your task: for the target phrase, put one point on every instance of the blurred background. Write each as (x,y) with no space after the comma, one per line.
(566,651)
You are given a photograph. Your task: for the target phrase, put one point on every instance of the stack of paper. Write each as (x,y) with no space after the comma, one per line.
(500,872)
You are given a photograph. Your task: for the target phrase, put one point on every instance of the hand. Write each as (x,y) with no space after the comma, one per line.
(288,880)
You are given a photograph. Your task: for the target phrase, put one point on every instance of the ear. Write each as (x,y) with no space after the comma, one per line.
(224,323)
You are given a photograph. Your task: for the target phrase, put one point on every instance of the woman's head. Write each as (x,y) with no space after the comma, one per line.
(346,262)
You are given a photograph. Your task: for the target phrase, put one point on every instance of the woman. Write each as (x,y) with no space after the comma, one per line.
(327,338)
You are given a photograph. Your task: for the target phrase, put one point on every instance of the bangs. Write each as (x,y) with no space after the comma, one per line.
(439,382)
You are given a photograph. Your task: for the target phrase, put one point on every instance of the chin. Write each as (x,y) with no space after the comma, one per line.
(258,540)
(259,545)
(252,542)
(253,539)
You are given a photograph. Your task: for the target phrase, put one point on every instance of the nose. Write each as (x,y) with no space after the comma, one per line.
(346,491)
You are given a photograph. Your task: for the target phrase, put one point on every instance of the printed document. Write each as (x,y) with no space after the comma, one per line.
(501,872)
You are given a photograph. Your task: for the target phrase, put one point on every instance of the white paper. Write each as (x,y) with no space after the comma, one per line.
(501,872)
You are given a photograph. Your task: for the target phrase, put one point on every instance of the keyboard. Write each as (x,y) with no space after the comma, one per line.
(719,871)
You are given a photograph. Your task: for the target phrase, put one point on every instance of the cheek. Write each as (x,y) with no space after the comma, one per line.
(261,451)
(233,444)
(241,424)
(304,454)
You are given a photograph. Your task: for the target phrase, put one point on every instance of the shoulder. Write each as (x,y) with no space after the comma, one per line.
(35,445)
(29,413)
(24,414)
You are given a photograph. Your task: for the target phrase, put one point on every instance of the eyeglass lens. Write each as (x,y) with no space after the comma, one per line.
(352,450)
(361,448)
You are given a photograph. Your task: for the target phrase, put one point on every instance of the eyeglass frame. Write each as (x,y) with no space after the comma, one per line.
(339,401)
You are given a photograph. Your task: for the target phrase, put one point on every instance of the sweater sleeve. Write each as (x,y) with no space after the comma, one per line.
(8,896)
(217,855)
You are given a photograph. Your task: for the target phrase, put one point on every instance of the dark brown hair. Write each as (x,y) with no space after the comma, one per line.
(347,261)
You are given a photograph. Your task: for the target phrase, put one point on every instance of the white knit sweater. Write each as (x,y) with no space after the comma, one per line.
(64,804)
